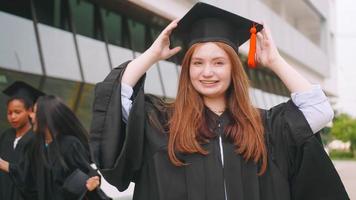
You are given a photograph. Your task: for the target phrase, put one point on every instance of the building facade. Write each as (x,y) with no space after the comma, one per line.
(64,47)
(345,37)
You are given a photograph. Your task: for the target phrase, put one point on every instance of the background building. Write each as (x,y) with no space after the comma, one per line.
(64,47)
(345,38)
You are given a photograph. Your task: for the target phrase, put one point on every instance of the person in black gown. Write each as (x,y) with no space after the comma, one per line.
(211,143)
(57,167)
(15,140)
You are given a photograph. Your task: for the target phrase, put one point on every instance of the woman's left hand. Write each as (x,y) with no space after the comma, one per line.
(266,51)
(4,165)
(92,183)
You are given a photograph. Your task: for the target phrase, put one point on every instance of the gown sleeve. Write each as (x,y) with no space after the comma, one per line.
(78,161)
(117,147)
(300,156)
(22,175)
(77,157)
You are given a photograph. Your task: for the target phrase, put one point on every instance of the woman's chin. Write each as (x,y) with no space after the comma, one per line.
(211,94)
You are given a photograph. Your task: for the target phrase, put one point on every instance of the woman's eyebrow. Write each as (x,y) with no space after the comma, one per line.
(215,58)
(220,57)
(197,58)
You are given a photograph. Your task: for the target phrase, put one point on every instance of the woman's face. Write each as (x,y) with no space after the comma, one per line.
(17,114)
(210,70)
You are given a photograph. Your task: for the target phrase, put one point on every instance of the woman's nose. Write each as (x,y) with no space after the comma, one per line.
(207,71)
(13,116)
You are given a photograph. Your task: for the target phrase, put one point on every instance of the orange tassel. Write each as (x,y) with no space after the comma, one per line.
(251,54)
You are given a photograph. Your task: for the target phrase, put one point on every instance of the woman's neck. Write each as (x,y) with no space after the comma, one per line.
(23,130)
(217,105)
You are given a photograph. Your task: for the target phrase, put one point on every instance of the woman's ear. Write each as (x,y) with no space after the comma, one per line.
(30,110)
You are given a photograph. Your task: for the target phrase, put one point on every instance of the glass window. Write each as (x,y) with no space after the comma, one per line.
(78,96)
(252,77)
(137,36)
(83,17)
(20,8)
(45,11)
(84,106)
(53,13)
(112,23)
(261,83)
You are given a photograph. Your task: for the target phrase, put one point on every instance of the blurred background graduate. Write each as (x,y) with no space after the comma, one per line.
(57,166)
(15,140)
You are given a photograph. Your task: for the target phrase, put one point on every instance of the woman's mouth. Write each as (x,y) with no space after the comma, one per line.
(13,123)
(208,82)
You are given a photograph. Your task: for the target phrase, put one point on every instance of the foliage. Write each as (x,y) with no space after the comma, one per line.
(341,155)
(344,128)
(326,136)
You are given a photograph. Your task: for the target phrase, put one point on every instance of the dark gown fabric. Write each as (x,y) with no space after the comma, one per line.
(8,190)
(40,182)
(298,168)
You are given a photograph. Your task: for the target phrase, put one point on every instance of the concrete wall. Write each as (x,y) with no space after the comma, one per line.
(345,55)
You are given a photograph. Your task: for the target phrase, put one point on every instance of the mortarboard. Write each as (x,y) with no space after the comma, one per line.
(207,23)
(20,89)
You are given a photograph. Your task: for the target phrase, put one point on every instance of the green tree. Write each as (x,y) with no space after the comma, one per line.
(344,128)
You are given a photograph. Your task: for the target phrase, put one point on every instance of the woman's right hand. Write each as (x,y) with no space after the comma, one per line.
(160,49)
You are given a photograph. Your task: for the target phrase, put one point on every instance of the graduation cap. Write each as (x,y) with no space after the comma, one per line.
(207,23)
(22,90)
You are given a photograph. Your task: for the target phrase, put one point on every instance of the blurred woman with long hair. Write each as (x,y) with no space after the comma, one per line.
(58,165)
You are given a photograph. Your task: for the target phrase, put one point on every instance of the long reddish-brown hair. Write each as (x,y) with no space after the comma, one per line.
(187,120)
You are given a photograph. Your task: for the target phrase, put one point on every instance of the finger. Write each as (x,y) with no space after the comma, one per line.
(92,183)
(266,31)
(258,53)
(89,187)
(174,51)
(259,40)
(170,27)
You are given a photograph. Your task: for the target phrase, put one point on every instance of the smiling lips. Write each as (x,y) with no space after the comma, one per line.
(208,82)
(14,123)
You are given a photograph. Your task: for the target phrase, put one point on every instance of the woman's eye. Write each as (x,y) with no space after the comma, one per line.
(219,63)
(197,63)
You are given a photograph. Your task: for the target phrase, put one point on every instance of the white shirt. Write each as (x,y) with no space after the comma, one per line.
(16,141)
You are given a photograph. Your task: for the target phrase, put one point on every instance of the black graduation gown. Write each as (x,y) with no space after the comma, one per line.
(40,182)
(298,167)
(7,152)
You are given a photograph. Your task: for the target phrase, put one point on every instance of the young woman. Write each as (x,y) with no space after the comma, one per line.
(211,143)
(60,150)
(15,140)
